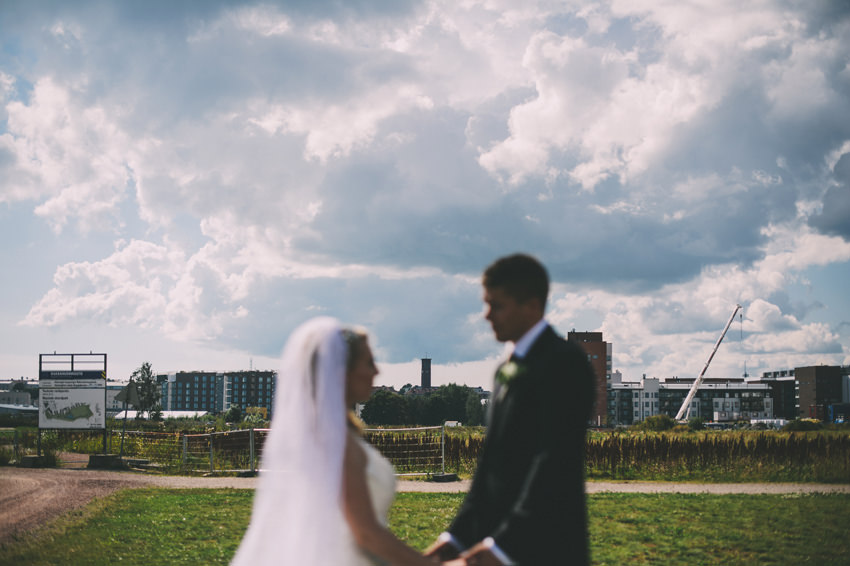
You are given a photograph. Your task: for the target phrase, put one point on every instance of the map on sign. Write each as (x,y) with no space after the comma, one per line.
(71,407)
(72,413)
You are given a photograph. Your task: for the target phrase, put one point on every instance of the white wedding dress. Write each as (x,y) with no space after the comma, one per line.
(380,477)
(297,517)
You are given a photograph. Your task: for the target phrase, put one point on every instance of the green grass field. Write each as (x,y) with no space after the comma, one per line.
(202,526)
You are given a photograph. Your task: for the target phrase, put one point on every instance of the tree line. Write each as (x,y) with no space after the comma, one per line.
(448,403)
(385,408)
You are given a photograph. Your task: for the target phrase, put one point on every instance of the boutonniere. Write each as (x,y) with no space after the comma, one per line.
(508,372)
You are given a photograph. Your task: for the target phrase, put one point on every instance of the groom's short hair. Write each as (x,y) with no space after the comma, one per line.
(520,275)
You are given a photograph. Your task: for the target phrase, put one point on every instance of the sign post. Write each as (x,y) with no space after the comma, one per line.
(129,394)
(72,392)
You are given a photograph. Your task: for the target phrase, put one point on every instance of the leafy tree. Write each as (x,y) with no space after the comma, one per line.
(233,414)
(474,410)
(385,408)
(434,409)
(696,423)
(450,403)
(155,414)
(148,389)
(255,420)
(416,408)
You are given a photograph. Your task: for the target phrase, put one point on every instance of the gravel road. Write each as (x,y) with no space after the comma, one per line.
(31,497)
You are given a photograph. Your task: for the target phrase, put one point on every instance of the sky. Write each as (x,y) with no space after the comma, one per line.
(184,183)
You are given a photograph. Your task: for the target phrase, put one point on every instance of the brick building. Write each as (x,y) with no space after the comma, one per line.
(818,387)
(599,354)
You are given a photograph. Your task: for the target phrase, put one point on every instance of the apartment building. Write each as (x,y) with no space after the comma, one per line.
(217,392)
(808,392)
(718,400)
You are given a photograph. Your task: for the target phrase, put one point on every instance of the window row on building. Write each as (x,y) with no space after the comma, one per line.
(217,392)
(715,400)
(805,392)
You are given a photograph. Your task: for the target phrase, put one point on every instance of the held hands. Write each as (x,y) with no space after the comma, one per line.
(441,551)
(447,554)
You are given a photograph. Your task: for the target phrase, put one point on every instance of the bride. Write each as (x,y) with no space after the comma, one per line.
(323,493)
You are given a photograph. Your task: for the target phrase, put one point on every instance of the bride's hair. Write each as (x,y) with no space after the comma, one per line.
(297,507)
(354,337)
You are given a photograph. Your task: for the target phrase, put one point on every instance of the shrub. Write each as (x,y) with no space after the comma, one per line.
(657,423)
(49,458)
(803,425)
(13,421)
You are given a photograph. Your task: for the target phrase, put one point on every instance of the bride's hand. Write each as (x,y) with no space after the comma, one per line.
(441,551)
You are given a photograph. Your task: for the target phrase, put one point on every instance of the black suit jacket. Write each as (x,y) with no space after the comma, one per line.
(528,490)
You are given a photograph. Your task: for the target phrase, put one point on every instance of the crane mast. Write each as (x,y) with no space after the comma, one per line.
(686,404)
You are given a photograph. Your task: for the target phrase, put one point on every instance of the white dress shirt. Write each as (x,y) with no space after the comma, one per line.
(524,344)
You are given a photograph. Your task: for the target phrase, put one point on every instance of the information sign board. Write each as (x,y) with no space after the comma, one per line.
(72,393)
(71,407)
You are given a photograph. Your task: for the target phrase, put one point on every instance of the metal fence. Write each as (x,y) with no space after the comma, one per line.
(415,451)
(412,451)
(418,451)
(237,451)
(219,452)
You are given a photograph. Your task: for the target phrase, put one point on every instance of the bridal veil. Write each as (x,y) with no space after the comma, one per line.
(297,516)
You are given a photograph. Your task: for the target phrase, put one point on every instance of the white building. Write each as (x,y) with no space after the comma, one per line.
(718,400)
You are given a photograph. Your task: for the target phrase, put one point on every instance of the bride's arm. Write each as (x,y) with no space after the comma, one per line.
(368,532)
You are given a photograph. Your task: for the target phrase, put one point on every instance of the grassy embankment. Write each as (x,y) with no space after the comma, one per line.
(163,527)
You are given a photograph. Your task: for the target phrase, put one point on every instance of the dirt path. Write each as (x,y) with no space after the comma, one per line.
(31,497)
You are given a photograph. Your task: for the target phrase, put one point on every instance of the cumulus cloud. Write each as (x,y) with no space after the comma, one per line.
(124,289)
(259,162)
(834,216)
(613,111)
(767,317)
(67,152)
(672,331)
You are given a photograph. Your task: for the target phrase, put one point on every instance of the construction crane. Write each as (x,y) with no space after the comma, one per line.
(686,404)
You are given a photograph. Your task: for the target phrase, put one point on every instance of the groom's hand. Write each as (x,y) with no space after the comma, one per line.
(442,551)
(479,555)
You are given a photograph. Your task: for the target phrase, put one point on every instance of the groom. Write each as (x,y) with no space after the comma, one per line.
(526,504)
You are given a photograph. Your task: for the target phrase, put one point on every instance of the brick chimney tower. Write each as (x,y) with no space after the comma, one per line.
(426,373)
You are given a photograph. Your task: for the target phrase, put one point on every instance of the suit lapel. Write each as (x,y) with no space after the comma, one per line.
(533,353)
(494,398)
